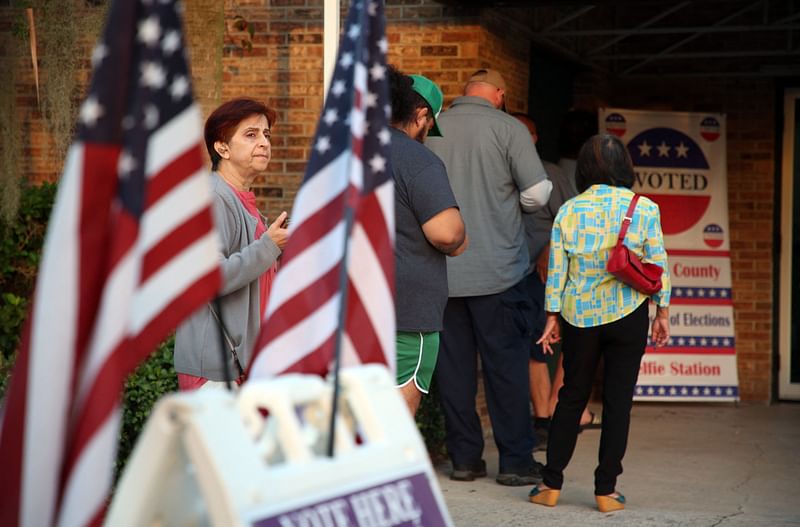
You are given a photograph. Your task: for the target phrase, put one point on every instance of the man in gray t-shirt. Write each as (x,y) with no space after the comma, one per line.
(496,175)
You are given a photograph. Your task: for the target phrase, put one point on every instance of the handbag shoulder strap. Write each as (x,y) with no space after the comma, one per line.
(626,221)
(228,340)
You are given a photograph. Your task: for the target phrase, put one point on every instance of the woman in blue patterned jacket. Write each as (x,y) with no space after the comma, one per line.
(597,315)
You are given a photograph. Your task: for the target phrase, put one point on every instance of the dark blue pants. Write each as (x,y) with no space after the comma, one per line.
(621,345)
(499,328)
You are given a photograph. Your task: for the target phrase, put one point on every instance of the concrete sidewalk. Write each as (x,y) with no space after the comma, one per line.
(686,465)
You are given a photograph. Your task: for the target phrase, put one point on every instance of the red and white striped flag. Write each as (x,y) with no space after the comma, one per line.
(130,251)
(348,173)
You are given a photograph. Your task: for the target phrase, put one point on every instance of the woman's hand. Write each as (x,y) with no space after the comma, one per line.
(551,333)
(277,232)
(660,330)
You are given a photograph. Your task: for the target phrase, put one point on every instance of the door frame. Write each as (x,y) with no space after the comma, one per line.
(790,100)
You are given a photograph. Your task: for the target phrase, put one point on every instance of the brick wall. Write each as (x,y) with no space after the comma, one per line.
(40,159)
(446,43)
(749,106)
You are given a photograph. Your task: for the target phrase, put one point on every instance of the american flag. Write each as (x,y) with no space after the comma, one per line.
(348,169)
(130,251)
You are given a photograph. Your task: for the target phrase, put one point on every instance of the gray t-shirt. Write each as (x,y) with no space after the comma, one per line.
(539,224)
(421,192)
(490,157)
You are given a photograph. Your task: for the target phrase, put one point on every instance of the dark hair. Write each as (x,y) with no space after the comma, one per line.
(405,101)
(222,122)
(603,159)
(576,127)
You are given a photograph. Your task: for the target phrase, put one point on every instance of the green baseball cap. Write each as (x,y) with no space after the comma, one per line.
(429,91)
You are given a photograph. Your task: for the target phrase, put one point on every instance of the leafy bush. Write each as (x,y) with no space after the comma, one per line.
(430,421)
(20,248)
(154,378)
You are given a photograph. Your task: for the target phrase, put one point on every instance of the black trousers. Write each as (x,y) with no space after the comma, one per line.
(498,327)
(621,344)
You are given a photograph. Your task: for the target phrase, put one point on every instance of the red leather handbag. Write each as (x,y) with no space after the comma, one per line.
(627,268)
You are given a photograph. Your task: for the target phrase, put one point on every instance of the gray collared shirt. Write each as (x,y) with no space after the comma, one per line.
(490,157)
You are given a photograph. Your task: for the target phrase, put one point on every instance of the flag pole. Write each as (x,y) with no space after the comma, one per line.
(337,350)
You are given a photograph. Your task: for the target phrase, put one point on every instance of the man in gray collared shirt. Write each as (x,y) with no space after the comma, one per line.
(496,175)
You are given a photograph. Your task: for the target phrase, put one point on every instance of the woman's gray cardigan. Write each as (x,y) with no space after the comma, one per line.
(197,341)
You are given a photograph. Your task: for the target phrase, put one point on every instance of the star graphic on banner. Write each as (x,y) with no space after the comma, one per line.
(384,136)
(98,54)
(91,111)
(706,391)
(684,391)
(690,292)
(346,61)
(639,390)
(179,87)
(704,342)
(692,341)
(150,116)
(354,31)
(681,341)
(387,109)
(695,391)
(377,163)
(682,150)
(650,391)
(669,341)
(718,391)
(371,100)
(712,292)
(171,43)
(126,164)
(383,45)
(323,144)
(330,117)
(663,149)
(153,75)
(729,391)
(723,293)
(372,8)
(644,149)
(662,391)
(673,391)
(701,292)
(377,71)
(338,88)
(149,31)
(714,342)
(726,342)
(678,291)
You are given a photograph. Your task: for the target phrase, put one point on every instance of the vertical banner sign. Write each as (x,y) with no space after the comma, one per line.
(680,163)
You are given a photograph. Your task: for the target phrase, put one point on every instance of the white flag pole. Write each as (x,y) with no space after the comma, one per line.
(330,40)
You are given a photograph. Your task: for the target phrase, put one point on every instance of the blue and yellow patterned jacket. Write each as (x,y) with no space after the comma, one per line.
(584,232)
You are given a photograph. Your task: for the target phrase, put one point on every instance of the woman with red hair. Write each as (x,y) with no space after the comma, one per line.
(237,136)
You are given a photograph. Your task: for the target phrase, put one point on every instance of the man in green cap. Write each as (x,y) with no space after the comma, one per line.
(428,228)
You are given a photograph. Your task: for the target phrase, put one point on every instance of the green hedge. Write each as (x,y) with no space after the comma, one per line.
(20,249)
(154,378)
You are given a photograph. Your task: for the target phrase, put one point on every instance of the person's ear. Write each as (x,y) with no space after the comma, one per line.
(422,116)
(501,95)
(222,149)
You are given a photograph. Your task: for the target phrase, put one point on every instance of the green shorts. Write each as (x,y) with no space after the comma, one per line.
(416,358)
